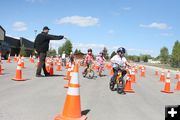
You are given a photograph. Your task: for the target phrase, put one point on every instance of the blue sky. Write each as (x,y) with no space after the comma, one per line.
(141,26)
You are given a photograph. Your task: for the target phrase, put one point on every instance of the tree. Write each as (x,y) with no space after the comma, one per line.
(105,51)
(22,51)
(145,57)
(133,58)
(175,57)
(51,52)
(67,47)
(164,55)
(112,54)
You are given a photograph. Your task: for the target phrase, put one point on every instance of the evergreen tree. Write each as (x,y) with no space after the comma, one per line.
(164,55)
(67,47)
(22,51)
(175,57)
(105,51)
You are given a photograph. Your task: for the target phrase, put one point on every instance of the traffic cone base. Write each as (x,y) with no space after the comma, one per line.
(66,86)
(18,79)
(167,88)
(166,91)
(61,117)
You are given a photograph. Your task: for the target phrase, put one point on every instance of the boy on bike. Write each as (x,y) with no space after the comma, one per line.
(100,61)
(119,62)
(88,59)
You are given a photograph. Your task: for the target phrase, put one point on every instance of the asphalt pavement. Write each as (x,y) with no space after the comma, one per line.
(43,98)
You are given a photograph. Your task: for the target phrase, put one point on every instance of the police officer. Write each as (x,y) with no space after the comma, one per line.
(41,46)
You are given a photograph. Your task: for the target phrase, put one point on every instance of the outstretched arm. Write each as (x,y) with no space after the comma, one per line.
(54,37)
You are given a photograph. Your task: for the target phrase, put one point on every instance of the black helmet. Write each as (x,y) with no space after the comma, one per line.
(89,50)
(121,49)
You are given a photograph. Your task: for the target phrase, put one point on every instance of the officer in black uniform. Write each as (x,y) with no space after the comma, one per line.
(41,46)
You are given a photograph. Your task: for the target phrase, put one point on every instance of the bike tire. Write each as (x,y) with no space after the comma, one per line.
(112,85)
(91,74)
(120,87)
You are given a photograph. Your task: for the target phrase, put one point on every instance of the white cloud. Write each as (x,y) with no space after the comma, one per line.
(19,26)
(90,45)
(156,25)
(79,20)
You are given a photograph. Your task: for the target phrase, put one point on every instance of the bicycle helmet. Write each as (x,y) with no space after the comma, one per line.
(89,50)
(122,50)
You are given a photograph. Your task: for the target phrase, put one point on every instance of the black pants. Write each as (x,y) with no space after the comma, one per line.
(88,65)
(42,57)
(115,70)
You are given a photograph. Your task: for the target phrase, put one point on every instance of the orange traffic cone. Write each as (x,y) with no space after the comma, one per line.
(15,58)
(51,70)
(133,76)
(167,85)
(178,84)
(58,66)
(72,106)
(162,77)
(1,73)
(136,69)
(47,66)
(22,62)
(70,76)
(156,72)
(177,75)
(18,72)
(68,72)
(111,72)
(9,59)
(32,59)
(127,87)
(142,72)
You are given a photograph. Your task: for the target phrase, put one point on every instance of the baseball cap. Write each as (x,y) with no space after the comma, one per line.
(46,28)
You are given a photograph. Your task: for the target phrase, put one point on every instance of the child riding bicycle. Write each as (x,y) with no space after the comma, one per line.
(88,60)
(100,62)
(119,62)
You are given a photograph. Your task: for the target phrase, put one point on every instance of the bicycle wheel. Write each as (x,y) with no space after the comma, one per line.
(120,86)
(91,74)
(84,74)
(111,85)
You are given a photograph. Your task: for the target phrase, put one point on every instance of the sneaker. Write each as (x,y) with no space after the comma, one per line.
(47,74)
(39,75)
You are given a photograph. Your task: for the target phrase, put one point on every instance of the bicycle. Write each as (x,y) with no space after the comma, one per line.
(89,73)
(119,82)
(100,69)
